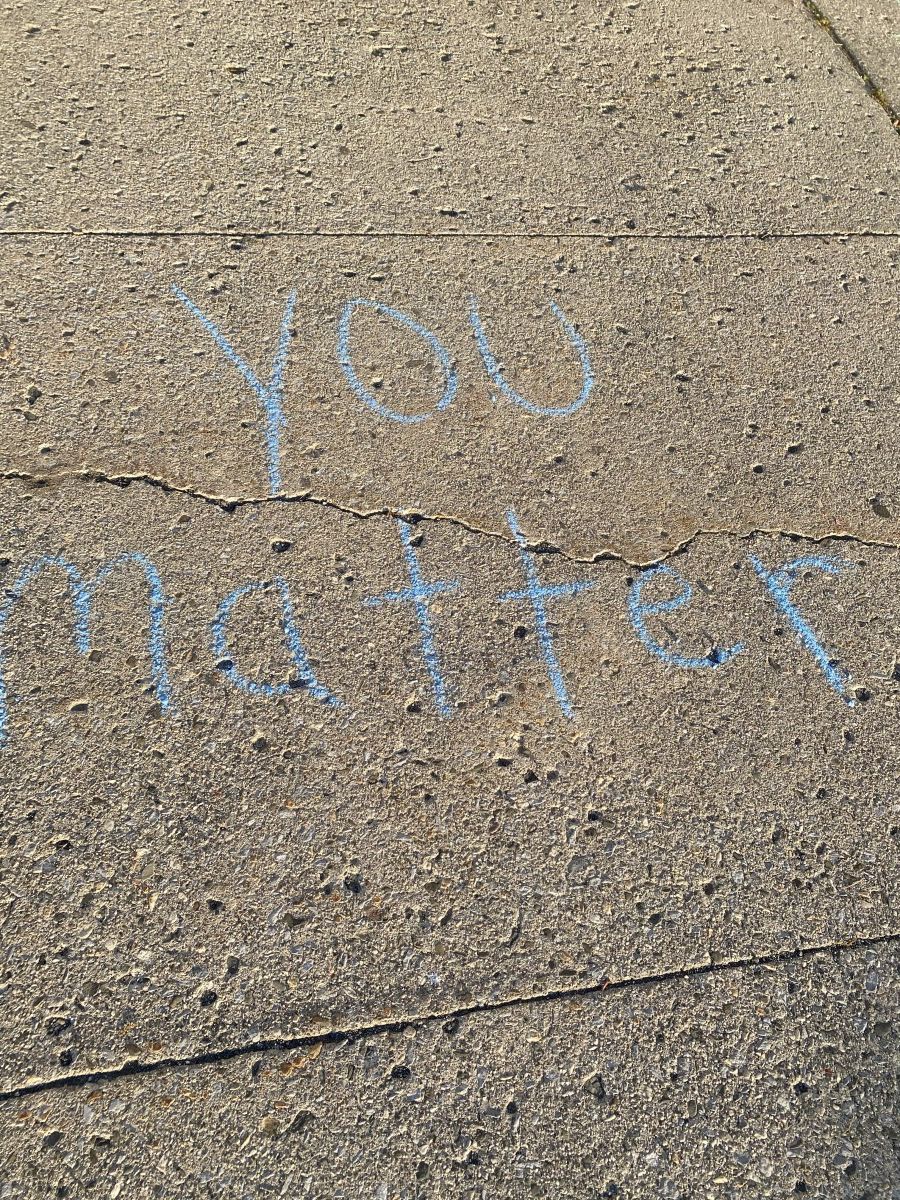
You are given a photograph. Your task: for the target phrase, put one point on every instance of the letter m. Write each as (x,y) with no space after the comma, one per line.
(82,592)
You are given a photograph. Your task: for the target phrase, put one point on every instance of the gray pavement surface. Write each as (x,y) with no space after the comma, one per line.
(542,842)
(189,864)
(652,115)
(774,1081)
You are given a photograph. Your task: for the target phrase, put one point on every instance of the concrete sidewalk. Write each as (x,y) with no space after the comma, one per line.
(449,646)
(770,1081)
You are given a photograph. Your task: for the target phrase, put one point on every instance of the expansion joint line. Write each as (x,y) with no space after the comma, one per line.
(474,234)
(874,89)
(340,1037)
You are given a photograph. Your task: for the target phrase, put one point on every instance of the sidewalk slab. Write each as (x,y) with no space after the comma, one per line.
(449,668)
(775,1081)
(666,116)
(515,800)
(734,385)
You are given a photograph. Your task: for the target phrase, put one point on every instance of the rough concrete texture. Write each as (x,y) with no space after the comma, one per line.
(238,866)
(653,115)
(781,352)
(542,842)
(775,1081)
(870,37)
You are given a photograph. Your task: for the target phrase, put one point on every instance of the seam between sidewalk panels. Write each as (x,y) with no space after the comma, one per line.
(872,86)
(397,1025)
(758,235)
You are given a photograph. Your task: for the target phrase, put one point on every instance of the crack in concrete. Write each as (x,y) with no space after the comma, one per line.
(872,86)
(134,1067)
(414,516)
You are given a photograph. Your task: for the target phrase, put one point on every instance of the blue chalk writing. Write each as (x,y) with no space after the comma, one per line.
(307,677)
(270,395)
(779,583)
(82,593)
(493,367)
(638,609)
(359,388)
(420,595)
(537,595)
